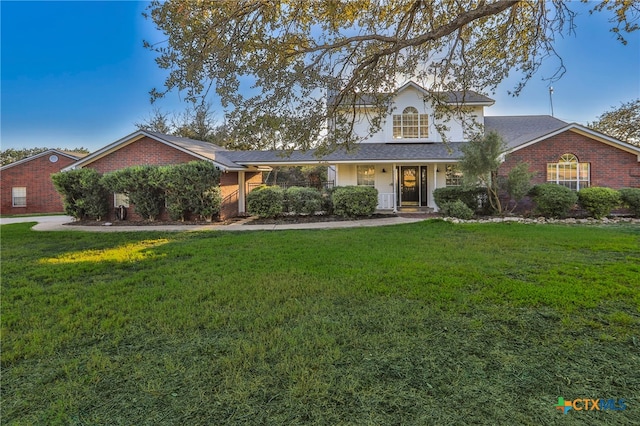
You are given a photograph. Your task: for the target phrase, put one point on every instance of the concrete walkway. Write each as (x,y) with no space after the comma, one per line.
(57,223)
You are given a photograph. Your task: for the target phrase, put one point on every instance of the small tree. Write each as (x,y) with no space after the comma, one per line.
(479,164)
(83,193)
(518,183)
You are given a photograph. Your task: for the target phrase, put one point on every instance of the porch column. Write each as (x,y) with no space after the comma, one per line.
(241,193)
(395,188)
(435,185)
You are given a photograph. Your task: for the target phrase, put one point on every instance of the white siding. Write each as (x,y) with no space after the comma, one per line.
(414,98)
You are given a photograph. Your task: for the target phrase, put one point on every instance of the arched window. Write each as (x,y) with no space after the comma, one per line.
(569,172)
(410,124)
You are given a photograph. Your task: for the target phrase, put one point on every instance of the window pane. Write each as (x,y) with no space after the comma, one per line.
(397,126)
(424,126)
(120,200)
(19,195)
(366,175)
(453,175)
(410,125)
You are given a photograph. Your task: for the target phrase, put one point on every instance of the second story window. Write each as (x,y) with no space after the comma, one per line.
(410,124)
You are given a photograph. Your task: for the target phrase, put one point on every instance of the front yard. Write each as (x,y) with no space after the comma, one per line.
(428,323)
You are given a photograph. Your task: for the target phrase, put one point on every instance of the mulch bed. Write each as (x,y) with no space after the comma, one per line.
(284,220)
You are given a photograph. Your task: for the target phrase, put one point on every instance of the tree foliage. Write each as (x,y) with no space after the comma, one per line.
(480,161)
(622,123)
(197,122)
(11,155)
(304,61)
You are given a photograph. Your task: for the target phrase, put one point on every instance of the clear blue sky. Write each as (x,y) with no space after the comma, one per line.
(75,74)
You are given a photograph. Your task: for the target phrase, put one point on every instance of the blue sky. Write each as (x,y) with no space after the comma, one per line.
(75,74)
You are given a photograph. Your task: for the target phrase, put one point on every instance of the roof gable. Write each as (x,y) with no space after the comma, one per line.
(68,154)
(198,149)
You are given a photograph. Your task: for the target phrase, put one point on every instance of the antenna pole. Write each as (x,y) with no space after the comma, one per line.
(551,99)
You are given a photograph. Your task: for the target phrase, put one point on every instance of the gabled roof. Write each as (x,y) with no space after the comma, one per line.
(198,149)
(70,154)
(519,129)
(361,153)
(457,97)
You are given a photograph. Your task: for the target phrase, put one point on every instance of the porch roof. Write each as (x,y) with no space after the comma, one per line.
(361,153)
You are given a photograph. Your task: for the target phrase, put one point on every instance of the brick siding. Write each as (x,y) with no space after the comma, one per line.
(610,166)
(147,151)
(35,175)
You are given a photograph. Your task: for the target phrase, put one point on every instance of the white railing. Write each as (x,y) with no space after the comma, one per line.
(385,200)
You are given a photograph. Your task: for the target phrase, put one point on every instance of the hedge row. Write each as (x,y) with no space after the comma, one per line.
(551,200)
(346,201)
(189,188)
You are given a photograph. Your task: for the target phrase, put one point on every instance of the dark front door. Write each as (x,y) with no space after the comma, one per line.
(409,186)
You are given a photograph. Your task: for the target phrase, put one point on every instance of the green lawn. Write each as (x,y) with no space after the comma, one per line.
(427,323)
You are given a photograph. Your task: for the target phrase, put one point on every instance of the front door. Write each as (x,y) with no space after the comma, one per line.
(409,188)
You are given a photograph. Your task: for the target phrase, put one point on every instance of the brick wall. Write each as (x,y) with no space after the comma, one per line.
(35,175)
(610,166)
(147,151)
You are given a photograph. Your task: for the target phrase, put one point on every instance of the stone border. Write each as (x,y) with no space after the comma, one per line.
(544,220)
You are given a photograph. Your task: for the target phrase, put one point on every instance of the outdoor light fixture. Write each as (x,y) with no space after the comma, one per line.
(384,171)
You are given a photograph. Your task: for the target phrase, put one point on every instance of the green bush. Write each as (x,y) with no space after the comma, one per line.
(265,201)
(83,193)
(553,200)
(631,198)
(472,197)
(143,185)
(353,201)
(456,209)
(303,200)
(598,201)
(192,188)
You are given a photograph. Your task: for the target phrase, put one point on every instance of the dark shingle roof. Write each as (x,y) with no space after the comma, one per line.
(361,153)
(520,129)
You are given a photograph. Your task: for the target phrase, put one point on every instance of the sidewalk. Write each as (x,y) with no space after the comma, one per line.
(57,223)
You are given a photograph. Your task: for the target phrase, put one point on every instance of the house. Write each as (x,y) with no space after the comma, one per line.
(406,160)
(26,185)
(151,148)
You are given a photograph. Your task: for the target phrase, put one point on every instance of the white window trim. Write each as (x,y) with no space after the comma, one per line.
(580,180)
(371,178)
(420,124)
(15,196)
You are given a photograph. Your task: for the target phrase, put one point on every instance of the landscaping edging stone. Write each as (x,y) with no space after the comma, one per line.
(544,220)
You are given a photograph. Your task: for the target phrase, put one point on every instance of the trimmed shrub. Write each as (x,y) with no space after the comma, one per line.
(631,198)
(83,193)
(353,201)
(598,201)
(471,197)
(265,201)
(553,200)
(456,209)
(143,186)
(192,188)
(303,200)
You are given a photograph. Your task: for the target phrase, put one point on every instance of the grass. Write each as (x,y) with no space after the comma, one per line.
(427,323)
